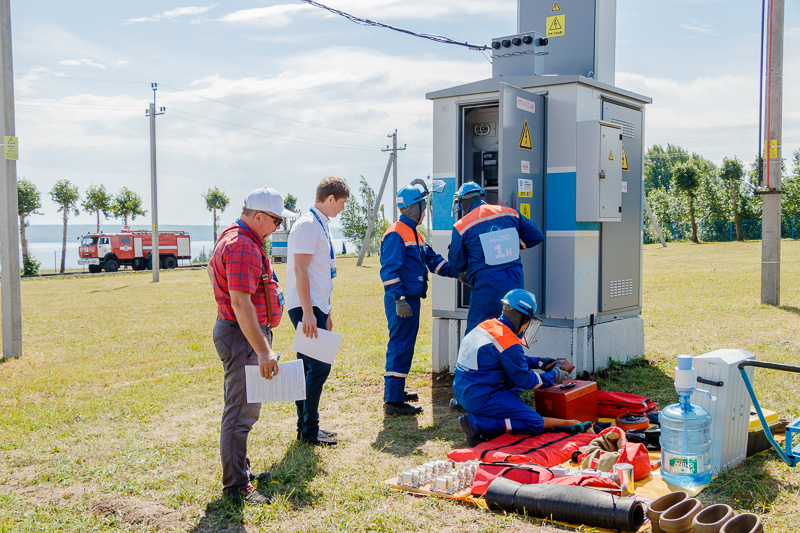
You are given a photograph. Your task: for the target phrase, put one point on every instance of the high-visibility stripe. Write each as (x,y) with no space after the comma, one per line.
(391,281)
(540,381)
(502,336)
(508,425)
(481,214)
(485,219)
(395,375)
(438,268)
(406,233)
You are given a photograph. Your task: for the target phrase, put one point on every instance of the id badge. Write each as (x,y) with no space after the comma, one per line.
(501,246)
(333,269)
(280,295)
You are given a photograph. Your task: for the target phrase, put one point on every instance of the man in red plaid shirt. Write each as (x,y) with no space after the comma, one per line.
(242,333)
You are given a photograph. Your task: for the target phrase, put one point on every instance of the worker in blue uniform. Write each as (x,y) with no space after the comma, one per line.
(485,246)
(405,261)
(492,371)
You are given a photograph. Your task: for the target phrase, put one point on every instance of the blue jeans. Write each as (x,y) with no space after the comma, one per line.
(316,374)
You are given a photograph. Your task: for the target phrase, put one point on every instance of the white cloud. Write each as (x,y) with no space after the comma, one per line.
(378,10)
(696,27)
(715,117)
(83,62)
(273,16)
(172,14)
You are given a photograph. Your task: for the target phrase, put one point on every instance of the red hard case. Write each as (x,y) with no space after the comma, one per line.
(577,402)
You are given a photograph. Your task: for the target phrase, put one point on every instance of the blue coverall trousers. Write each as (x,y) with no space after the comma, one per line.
(400,349)
(502,412)
(489,289)
(316,374)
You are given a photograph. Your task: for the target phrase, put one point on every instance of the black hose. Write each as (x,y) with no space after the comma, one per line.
(566,503)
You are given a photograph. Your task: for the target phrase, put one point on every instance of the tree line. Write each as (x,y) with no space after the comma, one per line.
(124,204)
(687,188)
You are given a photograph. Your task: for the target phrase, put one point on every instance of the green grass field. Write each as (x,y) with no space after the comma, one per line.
(110,420)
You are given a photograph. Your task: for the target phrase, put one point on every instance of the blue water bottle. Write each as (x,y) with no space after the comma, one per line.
(685,433)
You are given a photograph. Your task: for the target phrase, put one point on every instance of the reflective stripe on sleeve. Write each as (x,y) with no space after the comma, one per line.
(391,281)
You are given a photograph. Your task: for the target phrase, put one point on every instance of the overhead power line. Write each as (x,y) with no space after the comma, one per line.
(267,136)
(269,114)
(275,134)
(367,22)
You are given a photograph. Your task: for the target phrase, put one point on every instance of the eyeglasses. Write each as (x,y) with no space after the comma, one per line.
(277,220)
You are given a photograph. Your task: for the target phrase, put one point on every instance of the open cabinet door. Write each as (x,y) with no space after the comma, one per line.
(521,172)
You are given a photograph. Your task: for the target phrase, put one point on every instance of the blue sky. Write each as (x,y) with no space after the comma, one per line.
(282,94)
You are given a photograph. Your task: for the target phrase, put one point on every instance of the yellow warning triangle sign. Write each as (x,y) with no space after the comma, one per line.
(610,155)
(525,138)
(556,7)
(556,25)
(624,159)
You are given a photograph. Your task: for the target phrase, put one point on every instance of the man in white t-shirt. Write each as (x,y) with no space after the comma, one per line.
(310,269)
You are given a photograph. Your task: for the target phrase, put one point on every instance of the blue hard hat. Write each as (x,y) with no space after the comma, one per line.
(521,300)
(410,195)
(417,192)
(468,189)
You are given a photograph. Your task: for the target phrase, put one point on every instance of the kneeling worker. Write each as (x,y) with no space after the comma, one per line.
(405,261)
(493,370)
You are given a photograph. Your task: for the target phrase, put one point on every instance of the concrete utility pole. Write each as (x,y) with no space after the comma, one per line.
(154,255)
(394,150)
(375,210)
(771,209)
(10,290)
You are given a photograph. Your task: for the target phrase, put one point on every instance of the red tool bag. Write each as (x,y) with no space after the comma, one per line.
(612,404)
(547,449)
(521,473)
(632,453)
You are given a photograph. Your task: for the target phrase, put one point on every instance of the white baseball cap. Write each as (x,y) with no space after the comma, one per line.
(269,200)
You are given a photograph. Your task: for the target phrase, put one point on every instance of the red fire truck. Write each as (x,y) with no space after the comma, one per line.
(109,251)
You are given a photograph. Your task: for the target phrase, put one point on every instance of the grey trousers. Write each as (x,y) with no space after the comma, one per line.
(238,416)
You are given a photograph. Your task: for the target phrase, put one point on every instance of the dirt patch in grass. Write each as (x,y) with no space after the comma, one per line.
(140,512)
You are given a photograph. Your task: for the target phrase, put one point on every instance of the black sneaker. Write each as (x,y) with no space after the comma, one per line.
(473,437)
(401,409)
(455,406)
(322,433)
(321,440)
(410,396)
(248,494)
(263,477)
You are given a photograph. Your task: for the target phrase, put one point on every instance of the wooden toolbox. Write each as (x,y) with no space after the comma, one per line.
(573,399)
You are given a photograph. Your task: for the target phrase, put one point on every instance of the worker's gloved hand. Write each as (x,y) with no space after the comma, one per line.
(547,363)
(559,376)
(462,277)
(403,309)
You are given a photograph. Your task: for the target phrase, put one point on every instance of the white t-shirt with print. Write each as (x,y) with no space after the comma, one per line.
(309,237)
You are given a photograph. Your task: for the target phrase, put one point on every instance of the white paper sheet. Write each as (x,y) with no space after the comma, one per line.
(288,385)
(323,348)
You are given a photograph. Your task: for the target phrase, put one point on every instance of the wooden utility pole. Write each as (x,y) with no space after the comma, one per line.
(771,209)
(10,290)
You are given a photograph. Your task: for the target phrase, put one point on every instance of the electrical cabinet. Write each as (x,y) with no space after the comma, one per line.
(599,172)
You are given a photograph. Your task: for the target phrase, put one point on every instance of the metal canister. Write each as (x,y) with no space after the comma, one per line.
(624,472)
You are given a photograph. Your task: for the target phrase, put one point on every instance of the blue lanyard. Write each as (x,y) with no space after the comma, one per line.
(330,242)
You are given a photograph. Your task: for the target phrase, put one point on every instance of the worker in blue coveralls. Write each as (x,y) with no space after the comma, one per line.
(405,261)
(485,246)
(492,371)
